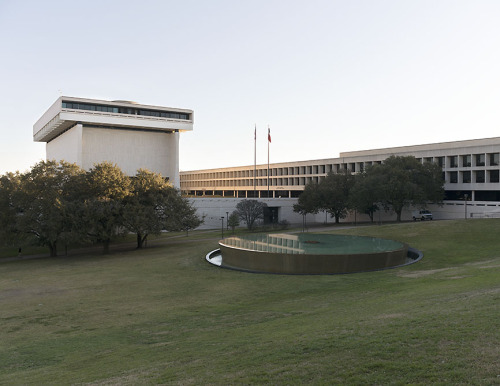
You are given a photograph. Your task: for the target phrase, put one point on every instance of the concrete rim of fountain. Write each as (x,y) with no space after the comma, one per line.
(311,254)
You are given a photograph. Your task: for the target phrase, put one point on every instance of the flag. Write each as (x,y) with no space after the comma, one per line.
(255,133)
(269,134)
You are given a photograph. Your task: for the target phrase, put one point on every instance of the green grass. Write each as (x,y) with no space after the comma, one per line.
(163,315)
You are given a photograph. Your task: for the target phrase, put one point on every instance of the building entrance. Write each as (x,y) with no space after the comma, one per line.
(271,214)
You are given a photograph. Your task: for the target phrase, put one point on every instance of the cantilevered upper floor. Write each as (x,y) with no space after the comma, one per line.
(68,111)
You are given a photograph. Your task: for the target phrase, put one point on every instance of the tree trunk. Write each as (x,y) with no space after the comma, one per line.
(105,246)
(141,240)
(53,249)
(398,209)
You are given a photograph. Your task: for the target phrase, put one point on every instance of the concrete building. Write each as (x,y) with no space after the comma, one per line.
(134,136)
(88,131)
(469,168)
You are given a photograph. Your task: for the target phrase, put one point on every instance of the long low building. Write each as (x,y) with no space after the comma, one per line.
(471,169)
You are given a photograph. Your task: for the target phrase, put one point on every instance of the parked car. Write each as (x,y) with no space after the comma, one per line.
(423,214)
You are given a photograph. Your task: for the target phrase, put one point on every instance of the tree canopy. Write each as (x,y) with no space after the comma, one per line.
(42,201)
(107,189)
(142,207)
(404,181)
(334,192)
(395,184)
(363,197)
(59,203)
(233,221)
(250,211)
(308,200)
(9,234)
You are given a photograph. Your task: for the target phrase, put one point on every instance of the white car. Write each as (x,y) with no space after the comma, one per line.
(423,214)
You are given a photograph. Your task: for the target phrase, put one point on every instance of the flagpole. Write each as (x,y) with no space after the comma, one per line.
(268,142)
(254,160)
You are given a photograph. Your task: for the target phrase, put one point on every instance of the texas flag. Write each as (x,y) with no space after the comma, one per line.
(269,134)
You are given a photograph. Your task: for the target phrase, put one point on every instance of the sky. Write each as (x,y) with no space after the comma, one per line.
(325,76)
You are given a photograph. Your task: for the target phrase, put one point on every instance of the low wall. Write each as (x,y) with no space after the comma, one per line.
(283,263)
(214,208)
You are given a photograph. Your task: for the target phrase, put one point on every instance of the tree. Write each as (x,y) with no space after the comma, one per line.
(250,211)
(45,200)
(143,206)
(308,202)
(154,205)
(181,215)
(333,192)
(233,221)
(364,194)
(405,181)
(107,188)
(432,182)
(9,186)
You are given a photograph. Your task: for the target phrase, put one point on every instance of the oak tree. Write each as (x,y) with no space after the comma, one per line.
(44,201)
(250,211)
(103,209)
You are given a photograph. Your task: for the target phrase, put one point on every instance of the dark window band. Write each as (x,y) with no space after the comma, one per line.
(124,110)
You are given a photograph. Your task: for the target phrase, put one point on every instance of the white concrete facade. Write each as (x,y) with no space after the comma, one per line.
(133,136)
(87,146)
(213,208)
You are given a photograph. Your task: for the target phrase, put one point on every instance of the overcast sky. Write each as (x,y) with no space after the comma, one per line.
(326,76)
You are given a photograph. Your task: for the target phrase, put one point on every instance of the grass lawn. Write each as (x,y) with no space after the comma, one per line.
(164,315)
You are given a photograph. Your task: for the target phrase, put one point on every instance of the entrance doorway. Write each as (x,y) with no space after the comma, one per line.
(271,214)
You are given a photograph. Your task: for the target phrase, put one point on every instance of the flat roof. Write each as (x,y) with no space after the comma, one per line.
(452,145)
(123,103)
(57,119)
(423,147)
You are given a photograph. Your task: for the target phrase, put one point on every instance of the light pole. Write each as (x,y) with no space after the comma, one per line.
(222,226)
(227,220)
(466,196)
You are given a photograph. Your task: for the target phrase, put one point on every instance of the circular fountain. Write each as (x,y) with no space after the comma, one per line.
(310,253)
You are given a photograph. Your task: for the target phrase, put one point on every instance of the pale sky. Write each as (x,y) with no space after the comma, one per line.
(327,76)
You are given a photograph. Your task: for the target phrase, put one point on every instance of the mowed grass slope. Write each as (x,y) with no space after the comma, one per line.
(164,315)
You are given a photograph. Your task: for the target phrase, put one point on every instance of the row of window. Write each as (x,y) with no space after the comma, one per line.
(479,160)
(243,193)
(478,176)
(124,110)
(277,172)
(466,177)
(354,167)
(469,160)
(292,181)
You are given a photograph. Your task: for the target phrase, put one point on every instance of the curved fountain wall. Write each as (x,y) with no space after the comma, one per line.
(311,253)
